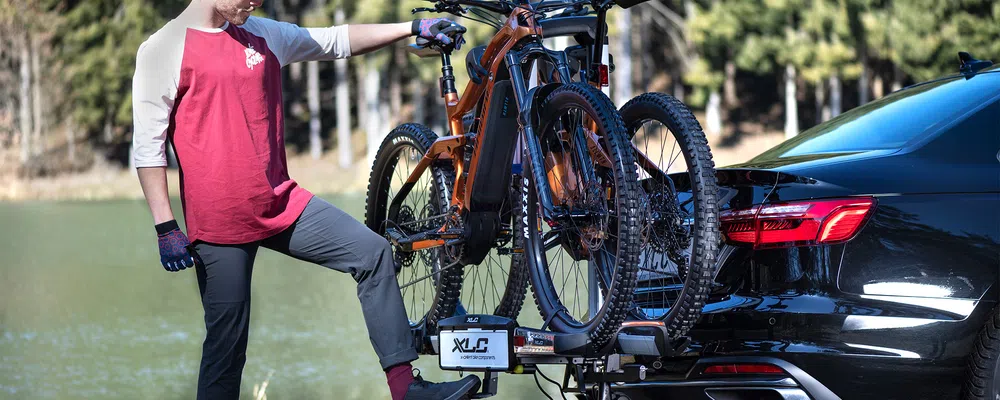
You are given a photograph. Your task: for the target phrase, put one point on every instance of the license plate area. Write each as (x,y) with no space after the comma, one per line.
(475,350)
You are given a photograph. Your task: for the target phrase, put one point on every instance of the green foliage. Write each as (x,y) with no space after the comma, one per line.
(96,43)
(923,37)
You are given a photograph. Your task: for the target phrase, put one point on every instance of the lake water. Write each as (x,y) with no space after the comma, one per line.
(86,311)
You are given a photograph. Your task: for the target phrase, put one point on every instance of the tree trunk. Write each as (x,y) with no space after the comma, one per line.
(713,113)
(729,86)
(897,78)
(345,153)
(109,132)
(373,81)
(791,103)
(315,141)
(863,81)
(678,87)
(835,95)
(396,85)
(417,90)
(25,103)
(878,87)
(623,57)
(295,72)
(71,141)
(359,97)
(822,110)
(642,44)
(36,96)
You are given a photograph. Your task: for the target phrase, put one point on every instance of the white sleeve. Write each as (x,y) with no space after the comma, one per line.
(154,90)
(292,43)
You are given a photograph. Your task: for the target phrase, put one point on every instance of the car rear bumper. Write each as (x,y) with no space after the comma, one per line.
(795,384)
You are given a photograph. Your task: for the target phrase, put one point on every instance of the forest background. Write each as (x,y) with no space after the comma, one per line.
(755,72)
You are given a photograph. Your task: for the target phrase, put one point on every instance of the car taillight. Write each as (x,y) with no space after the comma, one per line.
(604,74)
(801,223)
(743,369)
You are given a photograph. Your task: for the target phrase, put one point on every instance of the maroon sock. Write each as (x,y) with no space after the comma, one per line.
(399,378)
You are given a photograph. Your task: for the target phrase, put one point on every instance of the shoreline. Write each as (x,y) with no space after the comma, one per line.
(107,182)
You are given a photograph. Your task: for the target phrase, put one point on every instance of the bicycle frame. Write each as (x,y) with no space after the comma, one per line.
(518,42)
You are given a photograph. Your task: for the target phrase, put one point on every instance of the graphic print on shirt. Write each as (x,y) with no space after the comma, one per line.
(253,57)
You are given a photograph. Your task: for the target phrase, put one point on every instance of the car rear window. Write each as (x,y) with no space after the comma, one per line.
(895,120)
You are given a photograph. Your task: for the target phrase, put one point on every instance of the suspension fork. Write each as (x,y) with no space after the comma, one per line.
(533,146)
(526,102)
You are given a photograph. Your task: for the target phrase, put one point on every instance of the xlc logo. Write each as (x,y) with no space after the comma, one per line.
(462,346)
(253,57)
(472,320)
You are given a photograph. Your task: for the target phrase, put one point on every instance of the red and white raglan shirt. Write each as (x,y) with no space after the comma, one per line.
(215,94)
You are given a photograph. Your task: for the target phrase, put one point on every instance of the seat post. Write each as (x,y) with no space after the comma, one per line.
(447,76)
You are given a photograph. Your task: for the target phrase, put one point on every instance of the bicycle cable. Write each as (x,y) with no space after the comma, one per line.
(539,372)
(539,384)
(483,16)
(450,266)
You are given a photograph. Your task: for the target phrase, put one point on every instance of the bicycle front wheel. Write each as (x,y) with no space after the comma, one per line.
(583,261)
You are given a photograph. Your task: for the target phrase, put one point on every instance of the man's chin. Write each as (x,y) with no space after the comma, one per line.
(239,20)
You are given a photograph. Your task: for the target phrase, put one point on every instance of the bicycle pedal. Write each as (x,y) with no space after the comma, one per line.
(396,236)
(403,241)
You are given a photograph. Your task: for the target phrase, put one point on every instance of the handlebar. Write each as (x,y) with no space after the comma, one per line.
(505,7)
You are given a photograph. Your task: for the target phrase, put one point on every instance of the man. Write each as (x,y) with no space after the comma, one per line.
(210,83)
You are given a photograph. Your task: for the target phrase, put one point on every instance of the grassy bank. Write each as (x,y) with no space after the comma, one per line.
(104,182)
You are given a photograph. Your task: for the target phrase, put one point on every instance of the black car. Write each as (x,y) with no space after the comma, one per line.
(861,259)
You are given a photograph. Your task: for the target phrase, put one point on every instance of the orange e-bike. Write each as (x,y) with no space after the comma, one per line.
(527,184)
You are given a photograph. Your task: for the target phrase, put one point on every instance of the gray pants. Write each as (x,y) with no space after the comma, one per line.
(322,235)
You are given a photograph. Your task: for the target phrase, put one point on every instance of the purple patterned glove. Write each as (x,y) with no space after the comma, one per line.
(442,30)
(175,253)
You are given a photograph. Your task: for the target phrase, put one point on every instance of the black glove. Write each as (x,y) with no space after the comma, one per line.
(175,248)
(440,29)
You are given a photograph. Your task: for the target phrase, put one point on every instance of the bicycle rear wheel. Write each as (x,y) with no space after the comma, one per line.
(429,279)
(583,268)
(681,232)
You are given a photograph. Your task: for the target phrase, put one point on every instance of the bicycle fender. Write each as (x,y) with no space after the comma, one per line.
(530,109)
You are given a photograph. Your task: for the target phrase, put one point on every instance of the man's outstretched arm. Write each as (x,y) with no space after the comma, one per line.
(292,43)
(366,38)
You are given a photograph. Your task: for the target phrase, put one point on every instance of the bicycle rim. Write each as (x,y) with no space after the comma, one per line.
(669,216)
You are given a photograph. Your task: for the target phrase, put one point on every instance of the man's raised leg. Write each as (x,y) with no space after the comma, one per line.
(327,236)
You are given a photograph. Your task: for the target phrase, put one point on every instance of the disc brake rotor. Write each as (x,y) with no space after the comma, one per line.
(406,216)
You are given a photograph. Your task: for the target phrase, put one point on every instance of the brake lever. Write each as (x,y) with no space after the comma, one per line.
(422,9)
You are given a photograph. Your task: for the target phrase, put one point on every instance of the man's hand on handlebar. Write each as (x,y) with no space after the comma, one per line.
(440,30)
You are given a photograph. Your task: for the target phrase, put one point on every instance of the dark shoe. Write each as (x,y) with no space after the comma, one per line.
(424,390)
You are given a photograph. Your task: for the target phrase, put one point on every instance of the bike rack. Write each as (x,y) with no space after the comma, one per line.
(592,368)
